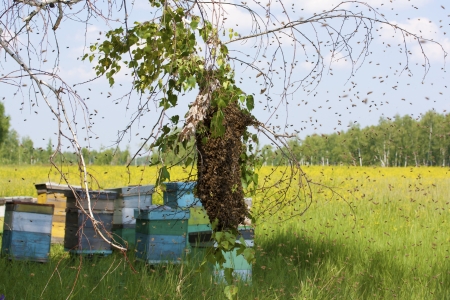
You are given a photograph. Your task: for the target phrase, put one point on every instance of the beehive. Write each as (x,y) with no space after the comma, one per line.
(80,235)
(124,223)
(242,269)
(27,231)
(180,195)
(56,194)
(161,234)
(5,200)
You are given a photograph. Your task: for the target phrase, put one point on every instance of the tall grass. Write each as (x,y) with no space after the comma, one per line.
(387,238)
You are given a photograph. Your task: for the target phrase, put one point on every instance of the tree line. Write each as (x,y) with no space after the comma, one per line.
(16,150)
(399,141)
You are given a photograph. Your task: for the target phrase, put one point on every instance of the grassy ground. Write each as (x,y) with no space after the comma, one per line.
(387,240)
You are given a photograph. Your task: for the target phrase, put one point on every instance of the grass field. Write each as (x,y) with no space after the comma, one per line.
(385,237)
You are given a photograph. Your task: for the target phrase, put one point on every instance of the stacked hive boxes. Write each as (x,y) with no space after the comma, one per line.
(180,195)
(56,194)
(5,200)
(80,235)
(124,223)
(161,234)
(27,231)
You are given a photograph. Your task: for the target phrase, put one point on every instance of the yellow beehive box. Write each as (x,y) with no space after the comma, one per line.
(56,194)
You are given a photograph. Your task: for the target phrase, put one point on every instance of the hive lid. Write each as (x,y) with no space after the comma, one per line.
(19,206)
(54,186)
(134,190)
(155,212)
(183,186)
(28,199)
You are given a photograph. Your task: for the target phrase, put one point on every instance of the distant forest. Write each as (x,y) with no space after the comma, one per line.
(400,141)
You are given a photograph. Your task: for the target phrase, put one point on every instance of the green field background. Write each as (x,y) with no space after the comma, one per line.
(369,233)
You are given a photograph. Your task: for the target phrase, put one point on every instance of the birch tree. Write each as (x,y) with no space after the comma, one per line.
(188,46)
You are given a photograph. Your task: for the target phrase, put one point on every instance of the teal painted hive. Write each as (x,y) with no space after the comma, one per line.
(80,236)
(161,234)
(27,231)
(242,269)
(180,195)
(124,224)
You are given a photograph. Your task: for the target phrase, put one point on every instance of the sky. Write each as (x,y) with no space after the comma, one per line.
(378,86)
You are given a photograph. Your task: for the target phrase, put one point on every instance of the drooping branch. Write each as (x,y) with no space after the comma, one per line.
(74,139)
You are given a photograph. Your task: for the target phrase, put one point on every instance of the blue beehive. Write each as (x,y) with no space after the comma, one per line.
(161,234)
(180,195)
(27,231)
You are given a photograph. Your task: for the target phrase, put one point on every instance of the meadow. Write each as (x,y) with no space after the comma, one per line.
(369,233)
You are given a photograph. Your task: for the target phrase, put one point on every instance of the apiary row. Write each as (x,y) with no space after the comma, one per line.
(125,215)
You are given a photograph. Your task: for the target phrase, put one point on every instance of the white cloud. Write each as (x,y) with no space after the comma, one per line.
(423,28)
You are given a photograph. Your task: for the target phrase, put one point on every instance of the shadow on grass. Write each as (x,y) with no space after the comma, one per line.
(289,266)
(321,266)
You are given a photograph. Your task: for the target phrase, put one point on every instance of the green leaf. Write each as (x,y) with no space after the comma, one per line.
(217,127)
(250,102)
(218,236)
(225,245)
(172,99)
(214,224)
(255,179)
(188,162)
(224,49)
(244,183)
(175,119)
(249,255)
(194,24)
(163,175)
(228,272)
(230,292)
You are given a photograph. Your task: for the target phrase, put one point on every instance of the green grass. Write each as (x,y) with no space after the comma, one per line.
(388,241)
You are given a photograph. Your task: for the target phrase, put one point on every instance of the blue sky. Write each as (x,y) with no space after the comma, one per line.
(335,103)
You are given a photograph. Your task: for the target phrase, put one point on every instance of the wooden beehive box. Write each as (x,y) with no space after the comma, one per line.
(242,269)
(5,200)
(129,199)
(80,236)
(180,195)
(56,194)
(27,231)
(161,234)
